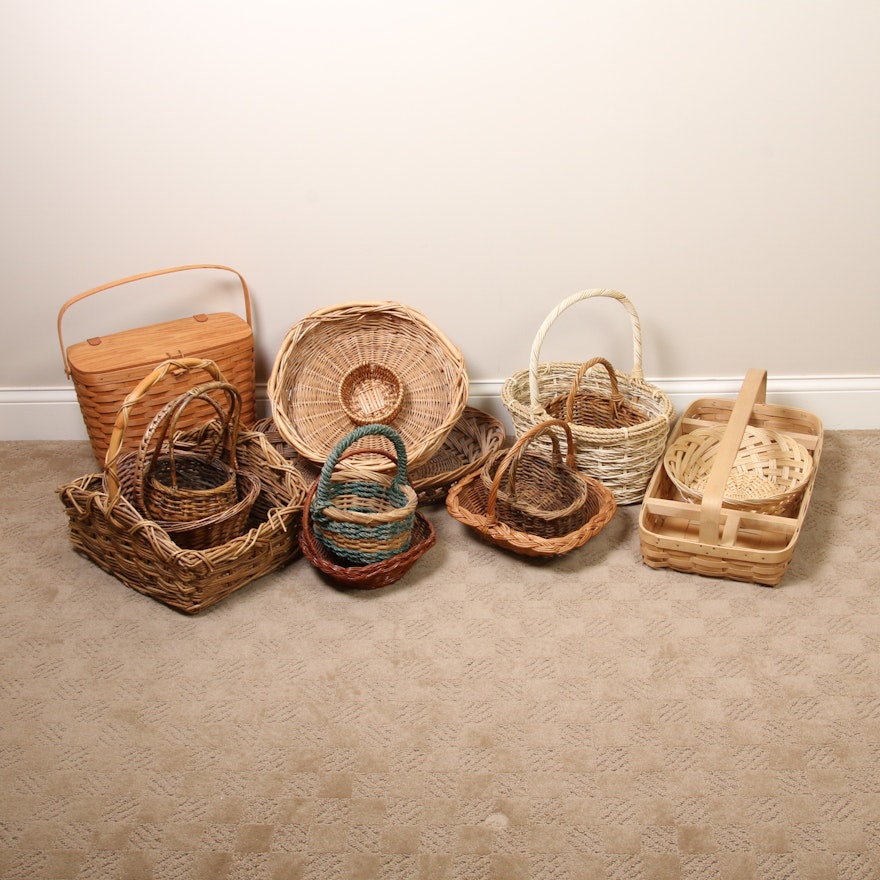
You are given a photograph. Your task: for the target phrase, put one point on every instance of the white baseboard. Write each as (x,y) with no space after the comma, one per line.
(842,402)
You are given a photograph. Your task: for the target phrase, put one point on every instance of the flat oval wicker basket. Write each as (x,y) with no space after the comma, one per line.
(769,474)
(622,458)
(366,362)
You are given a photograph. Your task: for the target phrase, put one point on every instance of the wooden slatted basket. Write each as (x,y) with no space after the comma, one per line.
(709,534)
(621,456)
(105,368)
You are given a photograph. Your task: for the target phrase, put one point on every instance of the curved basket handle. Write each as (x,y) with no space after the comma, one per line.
(164,424)
(114,446)
(616,397)
(141,277)
(322,493)
(511,459)
(753,390)
(555,313)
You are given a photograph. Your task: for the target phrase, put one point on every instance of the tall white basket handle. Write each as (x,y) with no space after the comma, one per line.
(534,359)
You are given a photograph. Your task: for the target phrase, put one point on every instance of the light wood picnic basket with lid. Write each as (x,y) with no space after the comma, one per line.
(366,362)
(105,368)
(704,533)
(623,457)
(546,519)
(108,529)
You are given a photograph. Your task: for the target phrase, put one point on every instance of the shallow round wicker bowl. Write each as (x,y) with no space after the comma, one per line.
(367,363)
(769,472)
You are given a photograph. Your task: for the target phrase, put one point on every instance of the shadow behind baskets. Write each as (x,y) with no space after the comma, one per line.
(622,457)
(366,362)
(769,473)
(530,505)
(362,515)
(109,530)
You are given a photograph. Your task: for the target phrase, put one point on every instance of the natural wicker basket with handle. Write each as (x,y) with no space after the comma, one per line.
(622,457)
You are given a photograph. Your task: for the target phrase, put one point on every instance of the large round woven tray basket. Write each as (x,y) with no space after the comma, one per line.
(622,458)
(536,525)
(366,363)
(769,474)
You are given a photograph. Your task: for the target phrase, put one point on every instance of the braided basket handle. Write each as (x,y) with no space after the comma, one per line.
(534,359)
(143,275)
(515,453)
(752,391)
(616,397)
(164,424)
(322,493)
(114,447)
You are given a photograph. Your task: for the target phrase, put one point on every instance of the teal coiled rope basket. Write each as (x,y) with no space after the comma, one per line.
(361,514)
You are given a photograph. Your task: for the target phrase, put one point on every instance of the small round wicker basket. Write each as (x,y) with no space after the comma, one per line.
(769,473)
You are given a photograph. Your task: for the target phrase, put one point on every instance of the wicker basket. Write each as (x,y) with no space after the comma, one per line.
(377,574)
(359,514)
(366,362)
(554,528)
(769,472)
(473,438)
(622,458)
(177,486)
(536,494)
(106,528)
(105,368)
(710,536)
(589,408)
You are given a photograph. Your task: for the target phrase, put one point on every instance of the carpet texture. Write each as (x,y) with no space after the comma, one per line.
(489,717)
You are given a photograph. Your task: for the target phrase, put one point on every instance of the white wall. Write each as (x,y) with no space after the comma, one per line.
(479,160)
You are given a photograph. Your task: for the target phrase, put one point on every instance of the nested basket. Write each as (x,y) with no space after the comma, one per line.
(362,363)
(769,474)
(177,485)
(622,457)
(207,503)
(544,519)
(110,531)
(359,514)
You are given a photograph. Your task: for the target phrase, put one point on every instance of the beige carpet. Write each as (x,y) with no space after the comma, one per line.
(487,718)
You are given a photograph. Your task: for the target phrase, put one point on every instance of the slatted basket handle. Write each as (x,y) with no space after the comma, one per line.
(114,447)
(753,390)
(513,455)
(534,359)
(142,276)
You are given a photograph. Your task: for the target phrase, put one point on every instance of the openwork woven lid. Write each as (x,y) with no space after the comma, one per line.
(367,362)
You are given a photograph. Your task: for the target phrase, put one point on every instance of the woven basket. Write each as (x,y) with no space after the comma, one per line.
(473,438)
(373,575)
(475,505)
(769,473)
(176,486)
(536,494)
(366,362)
(359,514)
(105,368)
(591,408)
(622,458)
(106,528)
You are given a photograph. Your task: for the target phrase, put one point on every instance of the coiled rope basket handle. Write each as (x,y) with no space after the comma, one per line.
(543,330)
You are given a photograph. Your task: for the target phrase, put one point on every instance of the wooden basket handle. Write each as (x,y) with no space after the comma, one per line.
(514,454)
(753,390)
(114,446)
(141,277)
(164,424)
(616,397)
(534,359)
